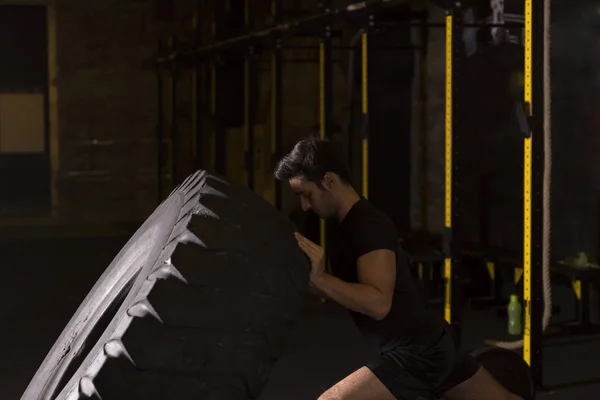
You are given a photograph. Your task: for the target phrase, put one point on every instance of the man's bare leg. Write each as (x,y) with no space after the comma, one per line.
(481,386)
(362,384)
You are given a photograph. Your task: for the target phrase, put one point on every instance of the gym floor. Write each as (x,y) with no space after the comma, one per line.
(44,281)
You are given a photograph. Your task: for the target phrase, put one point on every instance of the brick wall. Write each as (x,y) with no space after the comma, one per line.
(107,105)
(107,109)
(107,115)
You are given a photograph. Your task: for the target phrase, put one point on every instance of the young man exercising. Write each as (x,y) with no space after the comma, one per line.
(417,355)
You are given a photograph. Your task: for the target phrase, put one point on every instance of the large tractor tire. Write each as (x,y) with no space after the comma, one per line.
(197,305)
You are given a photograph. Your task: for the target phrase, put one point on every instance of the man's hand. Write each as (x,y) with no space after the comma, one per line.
(315,254)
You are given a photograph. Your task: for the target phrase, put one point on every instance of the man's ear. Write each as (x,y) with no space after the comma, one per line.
(328,180)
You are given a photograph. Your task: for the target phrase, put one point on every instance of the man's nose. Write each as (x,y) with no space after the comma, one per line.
(305,205)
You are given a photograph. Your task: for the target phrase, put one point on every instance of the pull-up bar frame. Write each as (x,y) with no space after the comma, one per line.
(533,153)
(451,241)
(454,25)
(326,16)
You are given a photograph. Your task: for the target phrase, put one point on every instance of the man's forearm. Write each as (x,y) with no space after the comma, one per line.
(315,291)
(357,297)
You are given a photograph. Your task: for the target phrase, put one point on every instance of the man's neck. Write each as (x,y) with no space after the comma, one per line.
(349,199)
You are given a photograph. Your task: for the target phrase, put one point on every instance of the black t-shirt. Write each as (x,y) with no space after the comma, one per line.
(366,229)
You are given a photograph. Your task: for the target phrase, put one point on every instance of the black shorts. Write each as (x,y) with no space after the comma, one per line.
(424,372)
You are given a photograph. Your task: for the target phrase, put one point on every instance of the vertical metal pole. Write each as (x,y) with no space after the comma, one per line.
(533,187)
(197,90)
(365,39)
(448,173)
(220,139)
(213,114)
(173,137)
(173,148)
(199,125)
(212,96)
(325,93)
(249,102)
(250,78)
(159,137)
(164,12)
(423,121)
(450,240)
(276,100)
(220,131)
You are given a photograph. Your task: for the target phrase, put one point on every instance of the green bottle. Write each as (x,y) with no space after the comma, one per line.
(514,315)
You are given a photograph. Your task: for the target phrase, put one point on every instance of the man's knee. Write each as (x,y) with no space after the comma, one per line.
(482,385)
(329,395)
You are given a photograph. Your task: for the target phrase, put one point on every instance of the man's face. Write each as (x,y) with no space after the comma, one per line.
(312,197)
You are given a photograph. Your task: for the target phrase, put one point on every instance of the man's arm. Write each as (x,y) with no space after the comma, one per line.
(372,296)
(312,289)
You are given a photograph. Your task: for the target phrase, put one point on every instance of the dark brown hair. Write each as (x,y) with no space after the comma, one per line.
(311,159)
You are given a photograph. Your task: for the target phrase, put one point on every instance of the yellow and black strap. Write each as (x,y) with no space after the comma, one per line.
(450,243)
(365,39)
(534,164)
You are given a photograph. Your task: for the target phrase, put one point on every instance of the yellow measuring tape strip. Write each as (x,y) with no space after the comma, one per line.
(365,113)
(448,167)
(527,190)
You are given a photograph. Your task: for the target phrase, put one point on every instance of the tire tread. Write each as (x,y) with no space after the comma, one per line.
(221,330)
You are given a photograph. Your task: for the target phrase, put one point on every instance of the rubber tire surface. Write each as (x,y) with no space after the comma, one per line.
(215,320)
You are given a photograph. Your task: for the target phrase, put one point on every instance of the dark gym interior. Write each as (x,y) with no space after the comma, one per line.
(107,106)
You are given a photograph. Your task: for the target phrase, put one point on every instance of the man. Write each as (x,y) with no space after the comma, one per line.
(418,358)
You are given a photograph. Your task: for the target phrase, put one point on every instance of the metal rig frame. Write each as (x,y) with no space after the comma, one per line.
(321,21)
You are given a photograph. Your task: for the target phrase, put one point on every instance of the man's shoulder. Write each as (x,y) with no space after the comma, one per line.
(369,212)
(371,229)
(370,220)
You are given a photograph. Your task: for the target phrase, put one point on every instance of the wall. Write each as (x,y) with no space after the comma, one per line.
(575,172)
(490,148)
(492,143)
(106,102)
(24,157)
(107,106)
(427,201)
(104,91)
(300,105)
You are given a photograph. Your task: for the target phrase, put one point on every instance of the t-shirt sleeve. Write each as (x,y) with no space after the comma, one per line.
(374,233)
